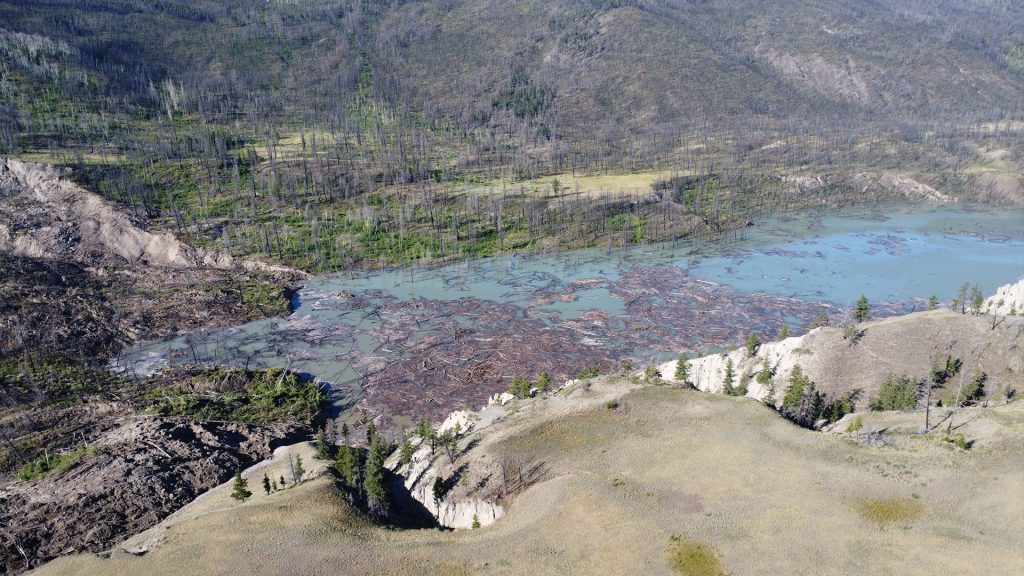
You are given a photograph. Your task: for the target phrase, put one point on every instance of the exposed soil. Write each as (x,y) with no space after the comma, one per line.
(139,470)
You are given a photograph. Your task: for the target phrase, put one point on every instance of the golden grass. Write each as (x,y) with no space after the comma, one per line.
(588,185)
(751,493)
(886,512)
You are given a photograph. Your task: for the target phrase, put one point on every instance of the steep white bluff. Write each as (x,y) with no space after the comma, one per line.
(1007,298)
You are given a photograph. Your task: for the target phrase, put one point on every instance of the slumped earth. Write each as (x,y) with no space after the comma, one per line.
(415,342)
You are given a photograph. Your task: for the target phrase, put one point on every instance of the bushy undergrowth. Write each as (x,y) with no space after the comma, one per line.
(240,395)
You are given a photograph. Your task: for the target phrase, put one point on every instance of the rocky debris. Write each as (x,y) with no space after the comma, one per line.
(1007,298)
(132,476)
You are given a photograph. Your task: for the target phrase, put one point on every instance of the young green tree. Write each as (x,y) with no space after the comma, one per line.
(266,484)
(795,388)
(898,392)
(863,311)
(784,332)
(347,465)
(977,299)
(297,470)
(961,296)
(438,489)
(753,343)
(406,451)
(283,484)
(820,321)
(476,522)
(730,378)
(933,302)
(682,373)
(373,482)
(322,451)
(766,373)
(240,490)
(543,382)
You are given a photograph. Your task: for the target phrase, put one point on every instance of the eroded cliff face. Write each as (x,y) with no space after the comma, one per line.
(469,493)
(898,345)
(48,216)
(1008,298)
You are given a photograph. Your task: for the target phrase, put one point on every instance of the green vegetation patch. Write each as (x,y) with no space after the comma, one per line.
(691,558)
(58,464)
(887,512)
(253,396)
(266,299)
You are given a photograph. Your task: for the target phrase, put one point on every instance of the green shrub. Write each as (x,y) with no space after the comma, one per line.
(611,404)
(855,425)
(959,440)
(588,373)
(58,463)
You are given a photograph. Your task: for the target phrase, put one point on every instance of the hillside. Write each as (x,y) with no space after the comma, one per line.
(609,474)
(616,486)
(898,345)
(327,135)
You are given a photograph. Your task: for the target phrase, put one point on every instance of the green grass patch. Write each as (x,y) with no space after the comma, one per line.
(57,464)
(691,558)
(886,512)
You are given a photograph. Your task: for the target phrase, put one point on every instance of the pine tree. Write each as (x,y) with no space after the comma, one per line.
(298,471)
(933,302)
(753,343)
(476,522)
(321,445)
(347,465)
(730,378)
(266,484)
(283,484)
(682,368)
(796,387)
(373,482)
(241,488)
(406,451)
(863,311)
(784,333)
(977,299)
(543,381)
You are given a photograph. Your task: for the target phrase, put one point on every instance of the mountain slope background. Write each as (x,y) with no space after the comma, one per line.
(329,134)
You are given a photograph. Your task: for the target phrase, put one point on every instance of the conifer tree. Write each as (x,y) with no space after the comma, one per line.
(933,302)
(476,522)
(373,482)
(543,381)
(347,465)
(784,333)
(730,378)
(298,471)
(753,343)
(863,311)
(240,490)
(266,484)
(682,373)
(406,451)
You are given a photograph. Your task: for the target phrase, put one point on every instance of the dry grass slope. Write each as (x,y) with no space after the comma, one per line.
(668,467)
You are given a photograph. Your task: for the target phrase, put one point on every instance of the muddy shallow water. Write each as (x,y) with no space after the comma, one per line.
(418,341)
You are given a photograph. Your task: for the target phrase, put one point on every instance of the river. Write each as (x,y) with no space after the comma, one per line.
(426,340)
